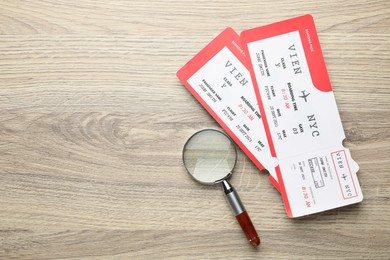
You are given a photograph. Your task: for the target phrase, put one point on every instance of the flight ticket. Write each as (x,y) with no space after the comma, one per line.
(219,79)
(300,117)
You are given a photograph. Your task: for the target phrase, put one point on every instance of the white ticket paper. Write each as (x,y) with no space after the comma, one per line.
(221,82)
(300,115)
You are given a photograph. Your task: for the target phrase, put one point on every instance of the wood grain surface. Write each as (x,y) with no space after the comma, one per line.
(93,121)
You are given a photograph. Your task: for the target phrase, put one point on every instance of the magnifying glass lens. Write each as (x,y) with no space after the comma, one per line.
(209,156)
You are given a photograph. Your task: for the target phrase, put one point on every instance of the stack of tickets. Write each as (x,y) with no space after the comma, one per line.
(269,90)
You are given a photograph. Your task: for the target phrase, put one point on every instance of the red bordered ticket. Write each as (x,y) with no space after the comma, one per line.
(219,79)
(300,116)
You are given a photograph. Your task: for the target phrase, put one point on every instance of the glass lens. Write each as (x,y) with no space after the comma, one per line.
(209,155)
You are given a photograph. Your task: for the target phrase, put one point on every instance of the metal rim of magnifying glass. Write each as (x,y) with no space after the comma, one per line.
(235,153)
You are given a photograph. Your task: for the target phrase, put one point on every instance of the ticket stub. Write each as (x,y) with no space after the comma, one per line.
(300,116)
(219,79)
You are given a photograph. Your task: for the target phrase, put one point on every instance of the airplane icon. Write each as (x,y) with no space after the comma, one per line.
(304,96)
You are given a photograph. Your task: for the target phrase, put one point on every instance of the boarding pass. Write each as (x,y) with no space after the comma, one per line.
(218,77)
(300,117)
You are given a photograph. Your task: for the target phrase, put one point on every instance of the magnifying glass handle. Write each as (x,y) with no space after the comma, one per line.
(241,214)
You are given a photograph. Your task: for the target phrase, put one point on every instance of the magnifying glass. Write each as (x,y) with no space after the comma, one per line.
(209,157)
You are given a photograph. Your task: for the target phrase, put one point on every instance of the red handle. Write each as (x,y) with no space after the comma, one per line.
(248,228)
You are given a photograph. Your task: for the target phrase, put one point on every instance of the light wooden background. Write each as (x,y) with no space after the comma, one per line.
(93,120)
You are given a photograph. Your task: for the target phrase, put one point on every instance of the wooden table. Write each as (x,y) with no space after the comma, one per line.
(93,121)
